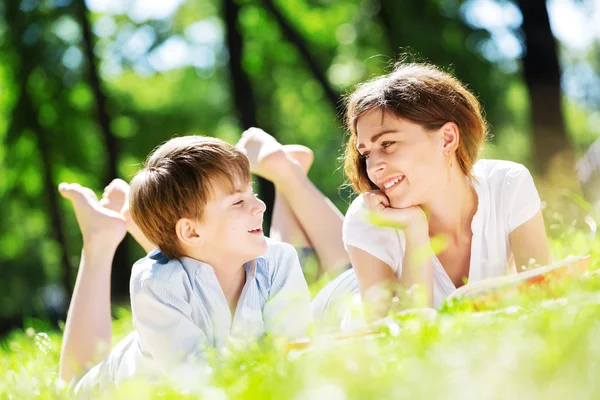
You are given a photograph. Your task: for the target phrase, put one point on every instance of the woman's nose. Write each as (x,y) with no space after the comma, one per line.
(375,165)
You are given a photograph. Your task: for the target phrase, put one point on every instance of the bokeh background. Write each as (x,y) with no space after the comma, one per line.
(88,89)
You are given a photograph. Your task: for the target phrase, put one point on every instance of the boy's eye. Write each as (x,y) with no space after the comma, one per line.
(238,203)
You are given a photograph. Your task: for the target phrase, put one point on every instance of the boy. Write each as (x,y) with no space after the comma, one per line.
(213,276)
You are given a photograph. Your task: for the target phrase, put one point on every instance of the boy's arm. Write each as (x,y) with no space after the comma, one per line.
(162,317)
(287,311)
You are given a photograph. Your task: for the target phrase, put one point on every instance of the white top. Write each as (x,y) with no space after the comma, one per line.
(179,310)
(507,198)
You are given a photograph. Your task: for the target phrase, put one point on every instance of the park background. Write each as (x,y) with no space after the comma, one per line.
(88,89)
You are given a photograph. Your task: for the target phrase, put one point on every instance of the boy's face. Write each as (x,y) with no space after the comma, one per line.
(232,224)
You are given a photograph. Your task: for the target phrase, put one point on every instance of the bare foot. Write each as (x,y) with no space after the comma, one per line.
(268,158)
(115,195)
(95,222)
(116,198)
(300,154)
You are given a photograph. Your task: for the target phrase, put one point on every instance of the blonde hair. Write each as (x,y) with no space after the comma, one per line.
(177,182)
(422,94)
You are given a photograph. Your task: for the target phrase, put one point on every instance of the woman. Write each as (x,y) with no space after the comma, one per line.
(415,135)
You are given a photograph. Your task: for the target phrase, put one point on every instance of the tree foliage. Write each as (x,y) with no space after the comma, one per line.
(207,67)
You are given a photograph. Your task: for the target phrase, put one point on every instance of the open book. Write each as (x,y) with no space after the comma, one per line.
(480,292)
(493,288)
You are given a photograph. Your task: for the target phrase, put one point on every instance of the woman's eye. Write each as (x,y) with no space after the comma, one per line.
(387,144)
(364,156)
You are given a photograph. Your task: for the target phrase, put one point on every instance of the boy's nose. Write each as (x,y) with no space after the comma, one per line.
(260,207)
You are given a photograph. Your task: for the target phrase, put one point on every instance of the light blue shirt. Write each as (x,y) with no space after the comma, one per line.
(179,309)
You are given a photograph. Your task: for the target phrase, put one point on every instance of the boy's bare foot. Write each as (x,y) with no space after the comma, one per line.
(116,198)
(115,195)
(97,224)
(268,158)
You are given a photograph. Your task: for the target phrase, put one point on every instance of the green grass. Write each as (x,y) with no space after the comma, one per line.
(540,344)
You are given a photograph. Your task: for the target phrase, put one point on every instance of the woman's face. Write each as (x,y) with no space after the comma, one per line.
(404,160)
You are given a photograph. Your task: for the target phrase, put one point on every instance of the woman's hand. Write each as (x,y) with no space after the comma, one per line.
(411,219)
(417,267)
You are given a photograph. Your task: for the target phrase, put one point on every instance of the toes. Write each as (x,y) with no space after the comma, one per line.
(120,184)
(249,133)
(241,144)
(69,189)
(254,134)
(76,192)
(116,192)
(65,190)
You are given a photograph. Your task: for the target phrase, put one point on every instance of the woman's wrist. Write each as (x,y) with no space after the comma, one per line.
(418,231)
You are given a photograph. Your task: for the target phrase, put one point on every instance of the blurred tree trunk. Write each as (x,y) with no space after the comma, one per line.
(121,263)
(25,106)
(50,188)
(293,36)
(542,75)
(387,14)
(243,95)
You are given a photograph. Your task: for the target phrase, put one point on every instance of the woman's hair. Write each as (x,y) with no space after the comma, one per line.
(422,94)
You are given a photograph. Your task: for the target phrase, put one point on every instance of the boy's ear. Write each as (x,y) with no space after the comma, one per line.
(188,232)
(450,137)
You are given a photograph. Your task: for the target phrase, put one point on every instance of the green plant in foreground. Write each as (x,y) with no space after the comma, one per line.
(538,344)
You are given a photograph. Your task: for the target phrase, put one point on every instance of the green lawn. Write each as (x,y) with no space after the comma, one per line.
(542,344)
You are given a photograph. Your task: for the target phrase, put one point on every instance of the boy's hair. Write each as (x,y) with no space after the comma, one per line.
(425,95)
(178,181)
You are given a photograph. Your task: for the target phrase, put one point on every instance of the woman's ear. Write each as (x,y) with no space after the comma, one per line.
(450,138)
(188,232)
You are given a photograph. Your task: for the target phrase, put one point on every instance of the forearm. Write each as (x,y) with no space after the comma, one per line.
(377,299)
(88,328)
(417,267)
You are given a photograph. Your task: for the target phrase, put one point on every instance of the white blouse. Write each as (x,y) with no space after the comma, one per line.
(507,197)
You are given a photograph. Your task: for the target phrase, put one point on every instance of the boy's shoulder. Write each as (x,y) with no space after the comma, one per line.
(157,267)
(278,255)
(276,250)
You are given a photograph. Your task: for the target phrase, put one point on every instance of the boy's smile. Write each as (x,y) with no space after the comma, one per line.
(232,224)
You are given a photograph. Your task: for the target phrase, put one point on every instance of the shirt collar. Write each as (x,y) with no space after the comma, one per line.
(259,265)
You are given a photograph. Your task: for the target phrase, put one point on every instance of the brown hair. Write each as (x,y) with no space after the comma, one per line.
(422,94)
(178,181)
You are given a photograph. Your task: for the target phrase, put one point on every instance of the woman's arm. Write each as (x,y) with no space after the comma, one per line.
(376,281)
(529,242)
